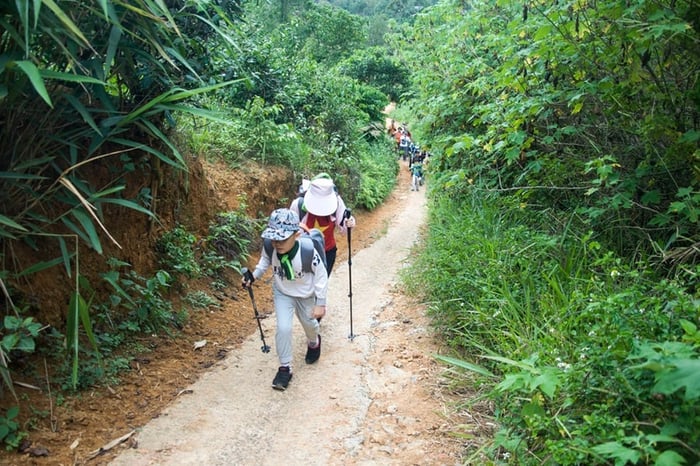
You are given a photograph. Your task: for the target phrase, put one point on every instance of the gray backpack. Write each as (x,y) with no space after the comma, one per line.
(308,241)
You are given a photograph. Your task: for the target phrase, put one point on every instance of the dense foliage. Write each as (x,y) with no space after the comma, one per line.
(588,108)
(562,252)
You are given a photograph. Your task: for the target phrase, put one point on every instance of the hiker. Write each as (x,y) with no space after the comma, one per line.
(294,290)
(404,146)
(323,208)
(416,176)
(299,199)
(397,138)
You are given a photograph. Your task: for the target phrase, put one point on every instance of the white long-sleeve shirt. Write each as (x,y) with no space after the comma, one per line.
(304,285)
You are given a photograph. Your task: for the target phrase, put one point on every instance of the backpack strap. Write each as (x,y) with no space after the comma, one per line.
(306,247)
(267,245)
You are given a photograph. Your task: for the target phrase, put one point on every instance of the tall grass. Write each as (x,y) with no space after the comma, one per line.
(589,359)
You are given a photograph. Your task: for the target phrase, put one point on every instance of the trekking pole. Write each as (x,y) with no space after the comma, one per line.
(347,216)
(249,276)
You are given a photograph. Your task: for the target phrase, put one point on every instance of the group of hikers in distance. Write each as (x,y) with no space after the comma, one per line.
(409,150)
(299,243)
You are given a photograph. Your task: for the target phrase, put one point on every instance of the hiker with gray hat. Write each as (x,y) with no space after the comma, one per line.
(294,290)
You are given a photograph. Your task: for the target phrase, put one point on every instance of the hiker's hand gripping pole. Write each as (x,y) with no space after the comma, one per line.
(348,214)
(248,280)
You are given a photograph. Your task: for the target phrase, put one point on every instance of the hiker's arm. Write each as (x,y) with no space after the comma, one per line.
(341,221)
(262,264)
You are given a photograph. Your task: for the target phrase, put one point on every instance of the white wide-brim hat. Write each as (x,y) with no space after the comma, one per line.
(321,199)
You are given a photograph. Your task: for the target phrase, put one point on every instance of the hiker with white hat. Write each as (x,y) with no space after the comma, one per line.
(323,208)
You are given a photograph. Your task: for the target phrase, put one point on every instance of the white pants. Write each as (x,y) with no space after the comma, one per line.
(415,182)
(285,308)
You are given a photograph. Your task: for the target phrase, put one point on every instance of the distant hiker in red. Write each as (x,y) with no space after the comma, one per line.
(323,208)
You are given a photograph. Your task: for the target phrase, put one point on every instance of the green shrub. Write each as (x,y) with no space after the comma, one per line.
(10,433)
(230,237)
(176,252)
(590,359)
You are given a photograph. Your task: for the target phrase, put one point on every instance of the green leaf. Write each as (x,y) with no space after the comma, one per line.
(39,266)
(685,375)
(464,365)
(150,150)
(80,108)
(20,176)
(181,164)
(691,136)
(542,32)
(67,22)
(129,205)
(524,365)
(651,197)
(619,452)
(533,410)
(669,458)
(84,311)
(65,254)
(112,277)
(70,77)
(688,327)
(9,341)
(115,35)
(12,412)
(547,382)
(170,96)
(72,341)
(88,227)
(11,223)
(34,76)
(26,345)
(73,227)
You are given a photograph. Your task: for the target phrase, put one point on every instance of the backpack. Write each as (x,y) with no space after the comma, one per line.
(308,241)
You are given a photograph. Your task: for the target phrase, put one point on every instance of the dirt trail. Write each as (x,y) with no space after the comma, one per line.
(373,399)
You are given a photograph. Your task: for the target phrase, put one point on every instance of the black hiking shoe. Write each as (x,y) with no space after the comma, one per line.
(312,354)
(281,381)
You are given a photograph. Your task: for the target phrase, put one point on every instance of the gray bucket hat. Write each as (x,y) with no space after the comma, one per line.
(282,224)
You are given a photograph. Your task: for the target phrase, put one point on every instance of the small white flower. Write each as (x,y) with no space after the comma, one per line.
(591,333)
(614,273)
